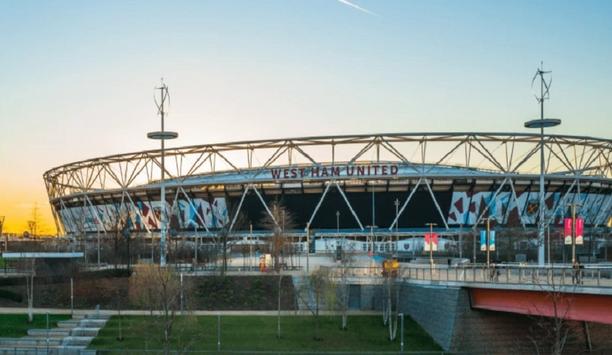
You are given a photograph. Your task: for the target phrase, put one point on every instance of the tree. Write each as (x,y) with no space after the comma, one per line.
(162,291)
(280,222)
(550,334)
(28,268)
(320,288)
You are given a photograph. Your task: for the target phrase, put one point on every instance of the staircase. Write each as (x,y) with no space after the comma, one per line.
(70,337)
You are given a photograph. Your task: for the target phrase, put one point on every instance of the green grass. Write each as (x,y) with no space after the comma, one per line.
(258,333)
(16,325)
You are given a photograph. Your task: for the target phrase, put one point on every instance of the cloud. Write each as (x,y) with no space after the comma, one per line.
(357,7)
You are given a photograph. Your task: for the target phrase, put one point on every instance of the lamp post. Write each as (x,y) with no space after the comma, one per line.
(162,136)
(308,249)
(372,237)
(431,225)
(488,238)
(542,123)
(397,203)
(573,207)
(6,237)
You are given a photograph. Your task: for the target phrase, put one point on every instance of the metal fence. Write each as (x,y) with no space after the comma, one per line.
(516,274)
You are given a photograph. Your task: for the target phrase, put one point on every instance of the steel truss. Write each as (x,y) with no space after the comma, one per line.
(501,158)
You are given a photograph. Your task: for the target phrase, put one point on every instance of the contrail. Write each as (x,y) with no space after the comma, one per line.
(355,6)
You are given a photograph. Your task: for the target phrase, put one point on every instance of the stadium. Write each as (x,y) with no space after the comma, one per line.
(381,188)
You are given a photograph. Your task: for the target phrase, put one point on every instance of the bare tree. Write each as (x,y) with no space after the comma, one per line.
(158,289)
(279,222)
(28,268)
(549,334)
(321,292)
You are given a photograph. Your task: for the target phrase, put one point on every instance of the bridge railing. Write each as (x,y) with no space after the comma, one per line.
(549,275)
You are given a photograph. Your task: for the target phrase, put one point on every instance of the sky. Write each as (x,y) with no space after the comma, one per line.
(77,77)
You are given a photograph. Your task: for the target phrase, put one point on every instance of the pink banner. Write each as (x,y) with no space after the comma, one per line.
(427,245)
(579,230)
(567,231)
(434,241)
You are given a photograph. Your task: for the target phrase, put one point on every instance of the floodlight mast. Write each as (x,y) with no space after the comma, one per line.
(162,136)
(541,123)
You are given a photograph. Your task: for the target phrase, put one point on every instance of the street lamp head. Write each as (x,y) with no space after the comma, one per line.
(543,123)
(162,135)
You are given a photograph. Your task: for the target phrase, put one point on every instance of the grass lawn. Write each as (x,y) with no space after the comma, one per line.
(258,333)
(16,325)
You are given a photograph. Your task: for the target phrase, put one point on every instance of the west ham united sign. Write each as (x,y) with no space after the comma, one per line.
(335,171)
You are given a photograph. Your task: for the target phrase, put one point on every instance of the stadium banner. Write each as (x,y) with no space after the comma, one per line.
(483,240)
(567,231)
(579,230)
(431,242)
(434,241)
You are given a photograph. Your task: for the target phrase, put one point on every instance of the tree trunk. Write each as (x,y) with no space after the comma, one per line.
(30,295)
(278,323)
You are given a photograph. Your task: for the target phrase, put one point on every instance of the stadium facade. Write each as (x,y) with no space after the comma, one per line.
(355,185)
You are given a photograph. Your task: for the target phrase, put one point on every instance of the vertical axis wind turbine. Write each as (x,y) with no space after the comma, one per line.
(162,135)
(541,123)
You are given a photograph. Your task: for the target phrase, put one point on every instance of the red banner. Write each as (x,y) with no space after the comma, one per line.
(579,230)
(434,241)
(567,231)
(431,242)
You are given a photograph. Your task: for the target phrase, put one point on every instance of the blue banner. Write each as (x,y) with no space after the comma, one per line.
(483,240)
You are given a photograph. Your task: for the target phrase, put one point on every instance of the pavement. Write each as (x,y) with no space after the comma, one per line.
(79,312)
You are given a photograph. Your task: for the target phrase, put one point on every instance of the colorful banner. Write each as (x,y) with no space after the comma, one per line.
(567,231)
(579,230)
(483,240)
(431,242)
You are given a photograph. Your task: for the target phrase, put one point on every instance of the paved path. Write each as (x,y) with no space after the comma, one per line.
(80,312)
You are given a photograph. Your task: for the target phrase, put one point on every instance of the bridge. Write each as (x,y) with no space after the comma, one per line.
(467,305)
(583,294)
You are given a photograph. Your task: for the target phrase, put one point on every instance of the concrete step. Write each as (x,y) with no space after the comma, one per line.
(29,342)
(76,341)
(91,323)
(51,350)
(68,323)
(97,316)
(53,332)
(78,331)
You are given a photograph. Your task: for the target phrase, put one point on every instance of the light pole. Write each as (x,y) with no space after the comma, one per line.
(308,249)
(5,237)
(573,206)
(487,240)
(431,225)
(541,123)
(396,203)
(251,262)
(162,136)
(372,237)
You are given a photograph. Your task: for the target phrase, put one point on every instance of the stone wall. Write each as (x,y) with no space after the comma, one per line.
(445,313)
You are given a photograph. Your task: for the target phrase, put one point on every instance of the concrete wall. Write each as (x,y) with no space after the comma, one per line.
(445,313)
